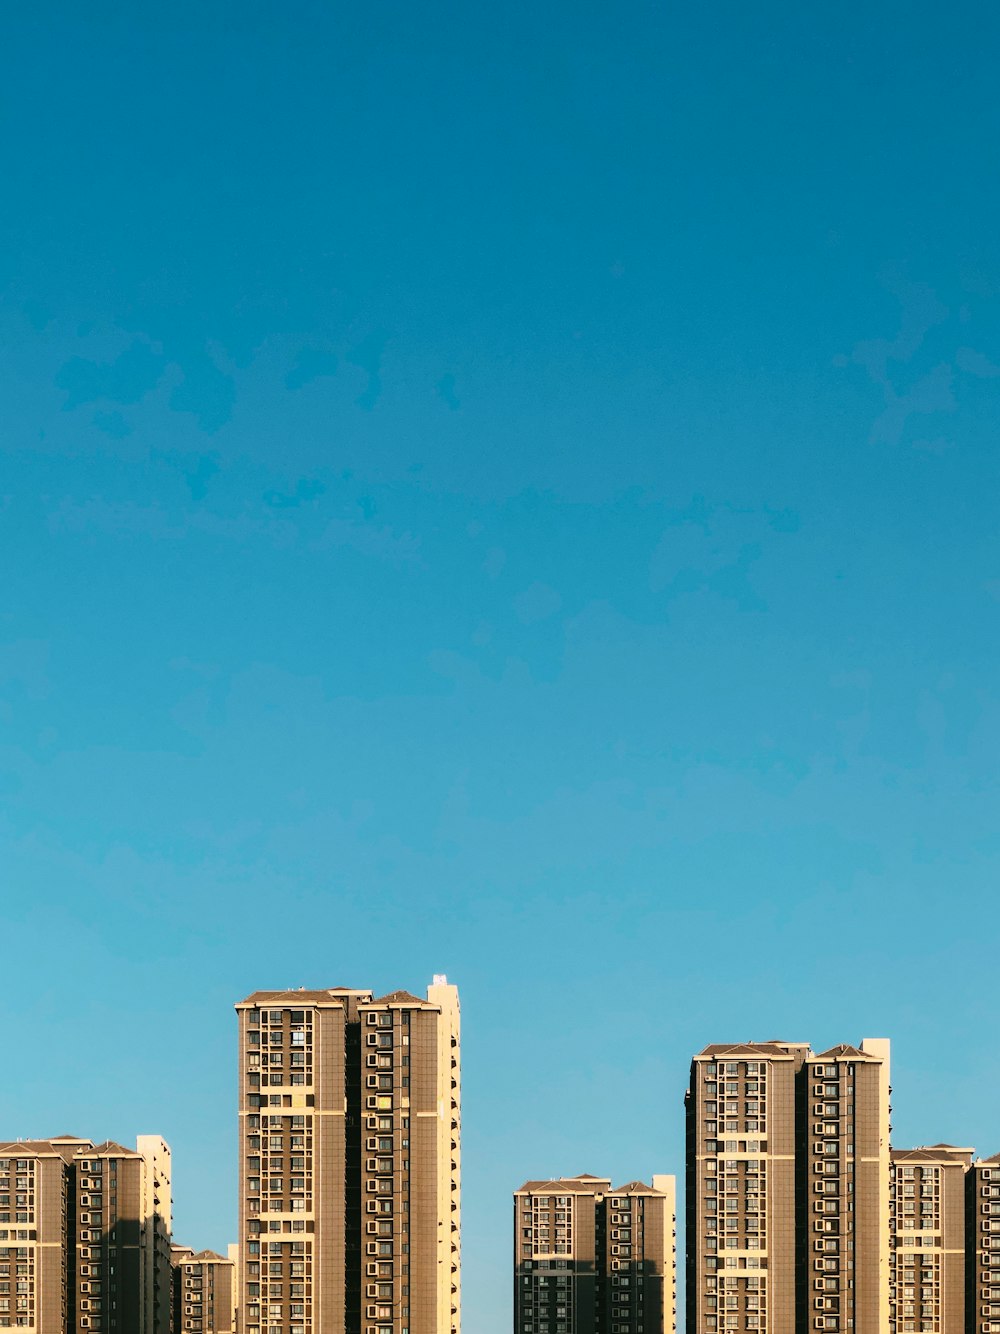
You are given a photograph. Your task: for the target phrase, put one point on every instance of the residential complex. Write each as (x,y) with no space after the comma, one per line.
(85,1236)
(591,1258)
(801,1218)
(349,1162)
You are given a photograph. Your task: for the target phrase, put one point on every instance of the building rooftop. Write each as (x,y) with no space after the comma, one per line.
(933,1153)
(779,1049)
(406,998)
(57,1145)
(636,1188)
(331,996)
(581,1185)
(109,1149)
(299,995)
(843,1051)
(585,1184)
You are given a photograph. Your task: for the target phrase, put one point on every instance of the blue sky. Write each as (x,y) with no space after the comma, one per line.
(509,492)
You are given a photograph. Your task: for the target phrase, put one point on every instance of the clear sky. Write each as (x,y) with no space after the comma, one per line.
(509,491)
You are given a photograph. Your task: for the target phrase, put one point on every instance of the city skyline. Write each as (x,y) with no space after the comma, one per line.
(775,1107)
(508,493)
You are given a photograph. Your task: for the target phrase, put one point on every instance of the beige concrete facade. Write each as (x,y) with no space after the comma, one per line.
(741,1187)
(589,1257)
(847,1143)
(788,1189)
(37,1263)
(78,1222)
(349,1162)
(157,1222)
(927,1291)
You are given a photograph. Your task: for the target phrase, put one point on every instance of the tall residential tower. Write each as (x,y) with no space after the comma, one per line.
(982,1246)
(927,1195)
(349,1162)
(788,1207)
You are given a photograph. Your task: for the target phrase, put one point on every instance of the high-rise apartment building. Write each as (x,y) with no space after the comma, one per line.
(845,1174)
(590,1258)
(927,1195)
(982,1256)
(349,1162)
(788,1211)
(37,1251)
(204,1293)
(85,1236)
